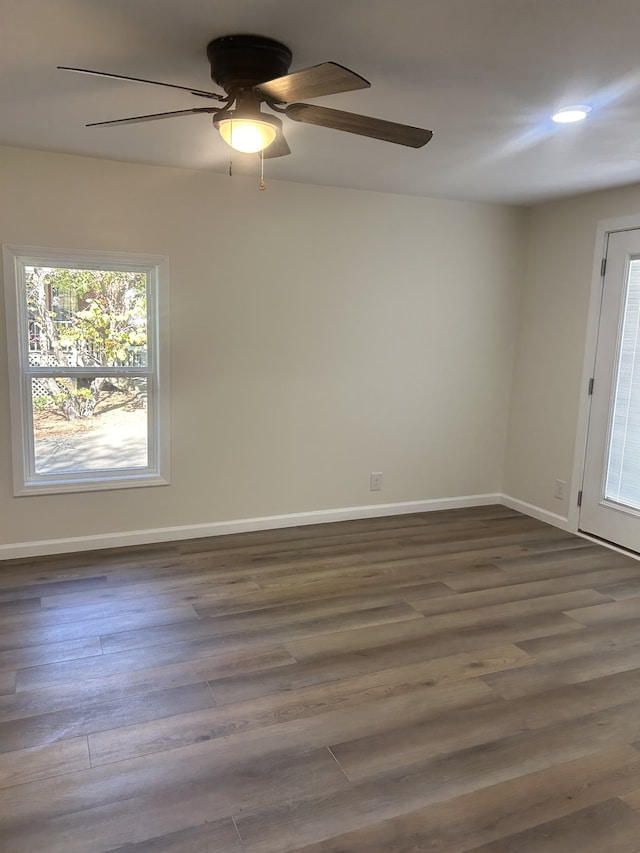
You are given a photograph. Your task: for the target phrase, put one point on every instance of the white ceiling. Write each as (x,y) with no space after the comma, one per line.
(484,75)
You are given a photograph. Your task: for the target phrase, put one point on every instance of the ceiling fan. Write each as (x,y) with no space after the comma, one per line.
(253,70)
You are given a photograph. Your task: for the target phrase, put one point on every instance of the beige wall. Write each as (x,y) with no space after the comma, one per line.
(317,335)
(552,329)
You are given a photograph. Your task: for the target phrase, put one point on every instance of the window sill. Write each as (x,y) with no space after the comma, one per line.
(92,484)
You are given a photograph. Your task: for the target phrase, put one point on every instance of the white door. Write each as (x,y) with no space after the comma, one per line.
(611,488)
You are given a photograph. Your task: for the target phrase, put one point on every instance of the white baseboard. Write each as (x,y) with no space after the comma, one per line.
(536,512)
(220,528)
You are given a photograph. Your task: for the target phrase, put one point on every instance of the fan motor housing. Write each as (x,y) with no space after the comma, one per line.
(243,61)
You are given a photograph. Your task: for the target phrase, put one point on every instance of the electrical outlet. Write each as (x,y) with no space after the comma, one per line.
(375,481)
(560,491)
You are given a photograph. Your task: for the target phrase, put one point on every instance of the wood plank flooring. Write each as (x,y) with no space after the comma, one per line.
(456,681)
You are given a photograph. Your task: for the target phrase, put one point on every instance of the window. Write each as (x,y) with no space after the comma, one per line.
(87,341)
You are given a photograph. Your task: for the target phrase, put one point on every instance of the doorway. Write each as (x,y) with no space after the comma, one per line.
(610,507)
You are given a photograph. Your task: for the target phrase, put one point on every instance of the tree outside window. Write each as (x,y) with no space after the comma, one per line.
(86,369)
(85,318)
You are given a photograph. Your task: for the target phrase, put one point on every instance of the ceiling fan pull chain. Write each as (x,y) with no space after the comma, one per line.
(230,153)
(262,185)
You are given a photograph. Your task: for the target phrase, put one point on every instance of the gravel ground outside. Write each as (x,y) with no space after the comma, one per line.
(115,436)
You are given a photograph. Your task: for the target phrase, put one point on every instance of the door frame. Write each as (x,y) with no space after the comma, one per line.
(604,228)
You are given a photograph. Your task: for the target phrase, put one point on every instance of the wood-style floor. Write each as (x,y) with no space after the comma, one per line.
(453,681)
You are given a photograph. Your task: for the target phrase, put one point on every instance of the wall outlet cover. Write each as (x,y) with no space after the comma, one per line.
(375,481)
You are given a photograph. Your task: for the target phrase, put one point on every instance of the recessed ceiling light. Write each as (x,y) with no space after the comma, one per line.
(566,115)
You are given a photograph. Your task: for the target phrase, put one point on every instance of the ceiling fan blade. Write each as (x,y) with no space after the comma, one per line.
(154,116)
(376,128)
(329,78)
(278,148)
(199,92)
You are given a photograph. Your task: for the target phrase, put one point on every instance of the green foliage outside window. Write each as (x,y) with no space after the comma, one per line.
(85,318)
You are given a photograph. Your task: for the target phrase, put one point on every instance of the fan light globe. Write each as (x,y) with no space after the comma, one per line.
(247,135)
(568,115)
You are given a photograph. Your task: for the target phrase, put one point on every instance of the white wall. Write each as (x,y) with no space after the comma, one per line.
(552,328)
(316,335)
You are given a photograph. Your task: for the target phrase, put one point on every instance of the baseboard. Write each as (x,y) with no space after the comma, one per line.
(221,528)
(536,512)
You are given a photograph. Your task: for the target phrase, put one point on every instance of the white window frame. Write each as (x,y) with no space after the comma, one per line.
(25,479)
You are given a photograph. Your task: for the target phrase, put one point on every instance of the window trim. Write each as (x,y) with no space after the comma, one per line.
(25,480)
